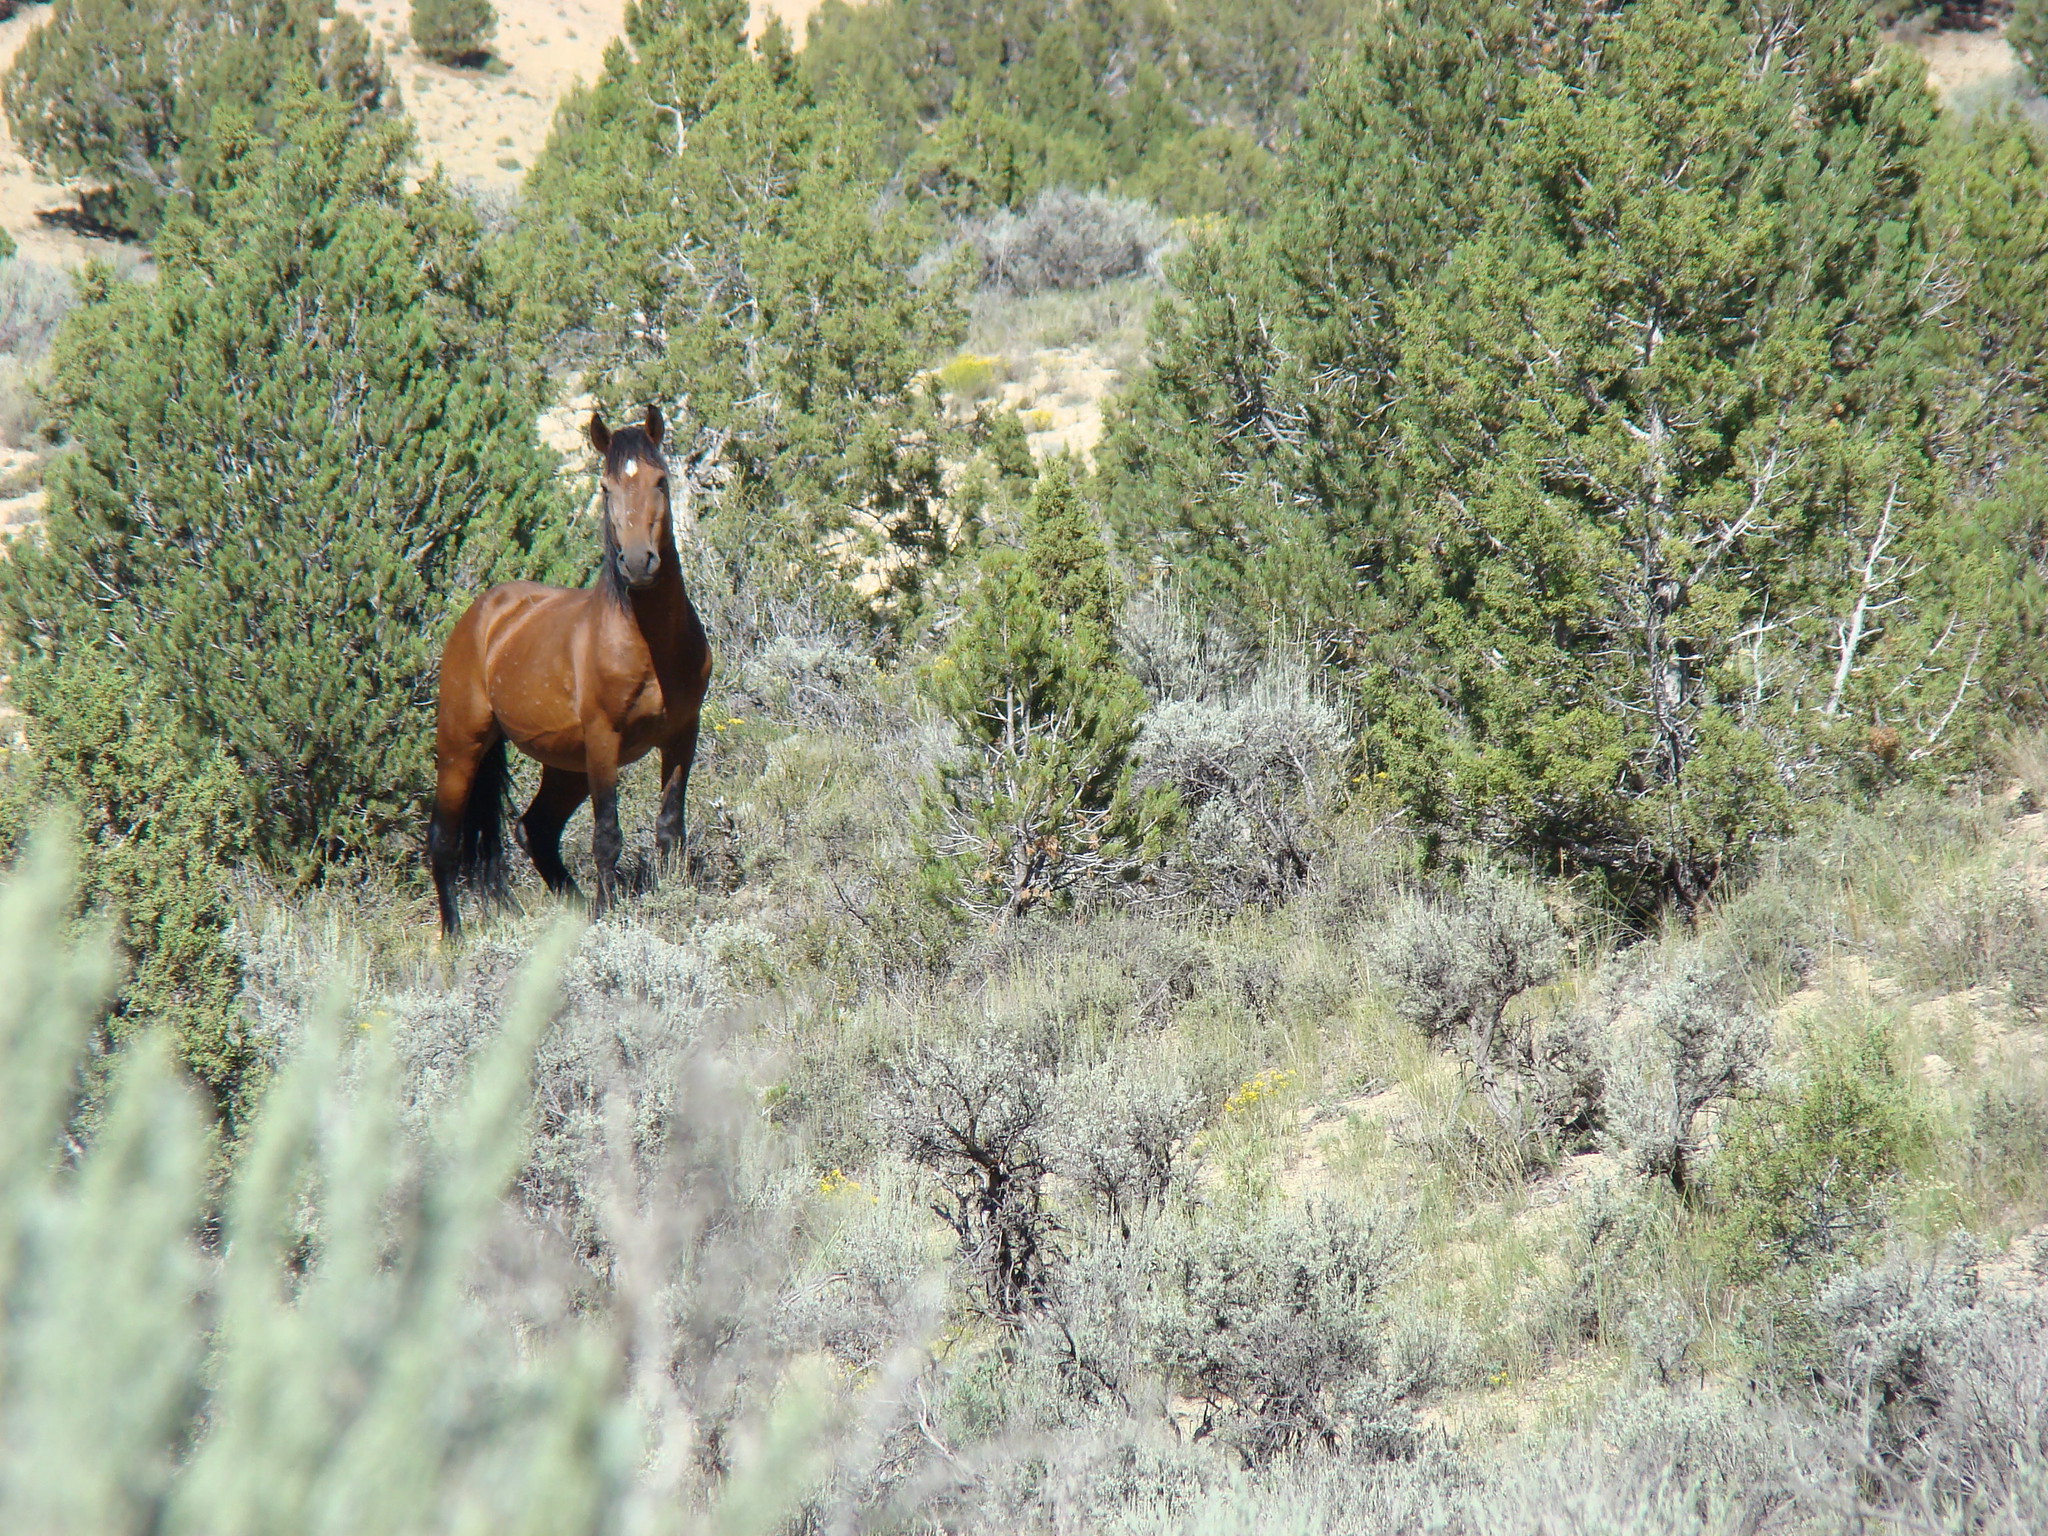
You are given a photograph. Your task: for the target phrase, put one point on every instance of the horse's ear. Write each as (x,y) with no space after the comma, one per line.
(600,434)
(654,425)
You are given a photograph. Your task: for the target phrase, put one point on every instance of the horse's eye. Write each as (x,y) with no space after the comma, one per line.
(662,485)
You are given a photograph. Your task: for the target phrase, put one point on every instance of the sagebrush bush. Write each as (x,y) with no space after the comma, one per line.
(373,1344)
(1066,239)
(1274,1323)
(974,1114)
(1982,927)
(1121,1134)
(1936,1388)
(1252,764)
(34,299)
(1682,1044)
(1455,964)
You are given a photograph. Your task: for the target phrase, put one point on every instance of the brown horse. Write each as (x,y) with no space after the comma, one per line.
(584,681)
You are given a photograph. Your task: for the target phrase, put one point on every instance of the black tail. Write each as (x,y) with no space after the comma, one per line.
(480,854)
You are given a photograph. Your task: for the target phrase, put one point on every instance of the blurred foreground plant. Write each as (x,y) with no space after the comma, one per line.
(360,1336)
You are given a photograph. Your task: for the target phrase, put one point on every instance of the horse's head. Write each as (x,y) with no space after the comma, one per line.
(636,496)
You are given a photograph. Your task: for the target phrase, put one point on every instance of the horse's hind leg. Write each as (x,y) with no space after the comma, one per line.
(464,730)
(554,803)
(454,778)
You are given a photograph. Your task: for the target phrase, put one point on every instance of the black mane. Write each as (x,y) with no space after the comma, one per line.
(627,443)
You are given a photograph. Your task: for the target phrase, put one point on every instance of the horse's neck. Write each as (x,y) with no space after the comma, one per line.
(662,610)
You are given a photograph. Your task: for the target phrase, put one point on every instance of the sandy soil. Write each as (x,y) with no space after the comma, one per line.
(1961,61)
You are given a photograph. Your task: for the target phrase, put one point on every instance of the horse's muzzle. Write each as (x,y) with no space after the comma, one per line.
(640,570)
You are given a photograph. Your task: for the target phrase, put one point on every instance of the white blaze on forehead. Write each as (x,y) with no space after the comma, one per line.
(632,468)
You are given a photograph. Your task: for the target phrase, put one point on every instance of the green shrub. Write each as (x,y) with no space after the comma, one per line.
(1043,803)
(158,835)
(1806,1169)
(453,31)
(122,94)
(278,509)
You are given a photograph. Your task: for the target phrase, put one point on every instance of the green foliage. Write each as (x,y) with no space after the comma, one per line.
(121,94)
(707,233)
(989,102)
(1805,1170)
(1590,398)
(1067,555)
(1044,801)
(275,506)
(453,31)
(157,835)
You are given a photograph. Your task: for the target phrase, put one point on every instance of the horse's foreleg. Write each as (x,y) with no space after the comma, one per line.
(554,803)
(671,826)
(601,758)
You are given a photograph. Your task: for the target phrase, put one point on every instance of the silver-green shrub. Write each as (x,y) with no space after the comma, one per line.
(1066,239)
(1273,1323)
(1454,964)
(1122,1132)
(1252,761)
(1683,1043)
(34,299)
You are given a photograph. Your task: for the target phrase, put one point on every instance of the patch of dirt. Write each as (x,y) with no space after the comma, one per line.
(1964,61)
(1060,392)
(487,125)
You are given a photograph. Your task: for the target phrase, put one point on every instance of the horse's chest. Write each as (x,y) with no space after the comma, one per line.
(647,713)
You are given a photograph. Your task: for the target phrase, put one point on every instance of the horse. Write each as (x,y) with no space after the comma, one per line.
(582,680)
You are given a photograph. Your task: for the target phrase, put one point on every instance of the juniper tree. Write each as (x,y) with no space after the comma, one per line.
(1670,422)
(1594,389)
(118,93)
(702,230)
(1255,453)
(1043,801)
(156,829)
(453,31)
(2027,31)
(987,102)
(291,454)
